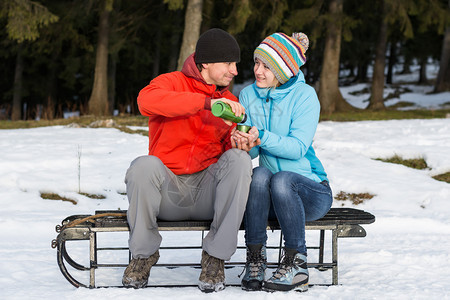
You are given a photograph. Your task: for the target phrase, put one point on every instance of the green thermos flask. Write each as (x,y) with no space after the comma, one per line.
(222,110)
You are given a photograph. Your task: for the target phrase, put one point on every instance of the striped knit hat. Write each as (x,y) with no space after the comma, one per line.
(284,55)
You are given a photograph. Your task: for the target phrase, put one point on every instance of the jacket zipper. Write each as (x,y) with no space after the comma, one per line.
(268,124)
(270,119)
(191,151)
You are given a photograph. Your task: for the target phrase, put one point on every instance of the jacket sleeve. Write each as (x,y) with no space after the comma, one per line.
(304,120)
(243,99)
(167,96)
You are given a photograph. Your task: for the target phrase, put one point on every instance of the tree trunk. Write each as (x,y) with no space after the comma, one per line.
(18,83)
(157,51)
(423,71)
(49,107)
(98,102)
(112,72)
(361,75)
(330,97)
(175,41)
(208,13)
(392,61)
(443,78)
(192,23)
(376,99)
(406,65)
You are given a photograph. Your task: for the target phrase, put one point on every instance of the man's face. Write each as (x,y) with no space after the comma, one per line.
(219,74)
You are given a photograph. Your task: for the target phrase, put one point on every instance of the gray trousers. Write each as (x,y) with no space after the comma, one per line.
(218,193)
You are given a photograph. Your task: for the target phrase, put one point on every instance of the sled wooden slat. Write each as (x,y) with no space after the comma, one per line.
(341,222)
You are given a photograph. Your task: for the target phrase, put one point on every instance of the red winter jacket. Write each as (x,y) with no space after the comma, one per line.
(182,133)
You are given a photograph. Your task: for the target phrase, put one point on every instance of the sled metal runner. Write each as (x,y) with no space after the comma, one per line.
(341,222)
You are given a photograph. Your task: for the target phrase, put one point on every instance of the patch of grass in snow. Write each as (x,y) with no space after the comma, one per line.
(53,196)
(121,123)
(93,196)
(83,121)
(126,129)
(416,163)
(443,177)
(401,104)
(363,91)
(353,197)
(387,114)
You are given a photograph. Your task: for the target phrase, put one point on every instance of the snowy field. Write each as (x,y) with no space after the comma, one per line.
(404,256)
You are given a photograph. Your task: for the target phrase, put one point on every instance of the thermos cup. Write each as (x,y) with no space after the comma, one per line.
(243,128)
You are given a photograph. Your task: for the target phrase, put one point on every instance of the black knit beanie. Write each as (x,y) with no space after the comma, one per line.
(217,45)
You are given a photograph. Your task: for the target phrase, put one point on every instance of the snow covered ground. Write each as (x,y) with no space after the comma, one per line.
(404,256)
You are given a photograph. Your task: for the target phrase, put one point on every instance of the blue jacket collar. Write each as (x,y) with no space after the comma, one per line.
(280,92)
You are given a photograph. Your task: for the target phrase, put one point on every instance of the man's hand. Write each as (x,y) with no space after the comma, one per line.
(236,108)
(245,141)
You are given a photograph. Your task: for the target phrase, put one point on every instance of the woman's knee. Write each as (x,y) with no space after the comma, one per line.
(281,185)
(259,187)
(261,176)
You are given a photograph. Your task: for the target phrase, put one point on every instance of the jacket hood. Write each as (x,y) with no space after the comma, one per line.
(190,70)
(281,91)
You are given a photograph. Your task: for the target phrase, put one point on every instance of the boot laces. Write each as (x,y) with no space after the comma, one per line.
(287,262)
(255,262)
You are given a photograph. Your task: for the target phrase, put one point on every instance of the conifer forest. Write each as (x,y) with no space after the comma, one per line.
(94,56)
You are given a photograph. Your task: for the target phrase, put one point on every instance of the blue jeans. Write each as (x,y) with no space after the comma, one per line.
(290,198)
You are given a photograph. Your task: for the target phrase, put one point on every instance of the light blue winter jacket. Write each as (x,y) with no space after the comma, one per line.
(286,118)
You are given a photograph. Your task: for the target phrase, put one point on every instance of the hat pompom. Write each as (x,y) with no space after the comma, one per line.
(302,38)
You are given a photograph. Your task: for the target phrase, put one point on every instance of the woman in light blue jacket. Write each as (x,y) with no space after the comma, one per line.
(290,183)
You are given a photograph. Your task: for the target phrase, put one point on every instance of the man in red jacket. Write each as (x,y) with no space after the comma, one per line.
(191,171)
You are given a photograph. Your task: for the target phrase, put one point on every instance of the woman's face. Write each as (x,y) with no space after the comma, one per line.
(264,77)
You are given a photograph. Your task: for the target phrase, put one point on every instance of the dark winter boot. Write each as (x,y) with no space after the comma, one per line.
(255,268)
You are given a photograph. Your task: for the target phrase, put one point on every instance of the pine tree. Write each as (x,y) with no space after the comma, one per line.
(443,78)
(329,94)
(98,102)
(25,18)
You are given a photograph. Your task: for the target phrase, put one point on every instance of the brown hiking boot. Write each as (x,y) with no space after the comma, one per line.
(212,277)
(137,272)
